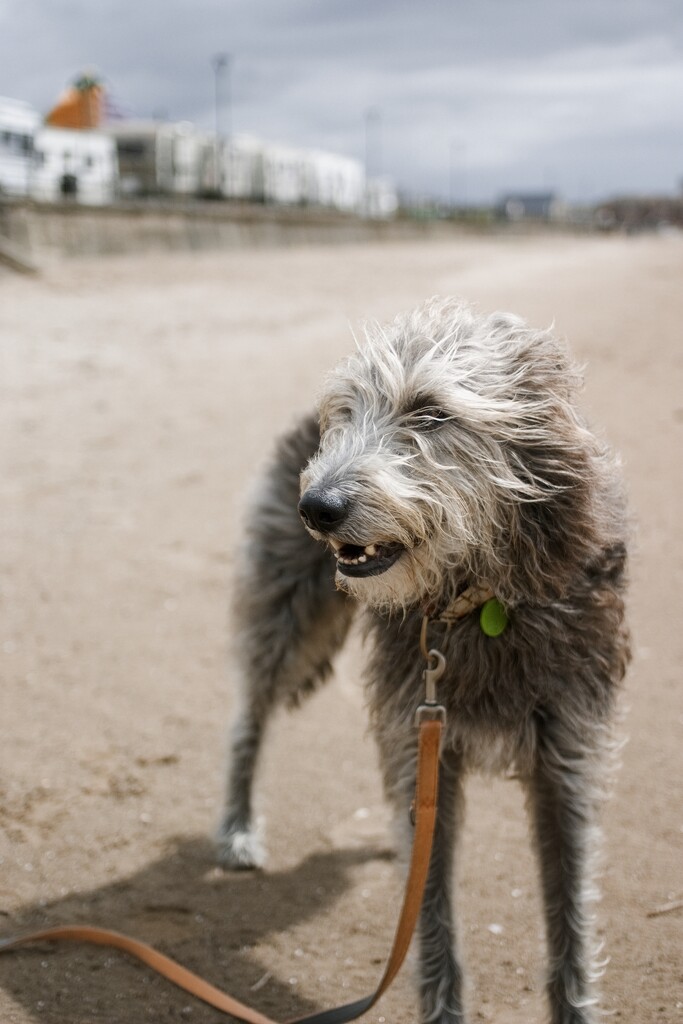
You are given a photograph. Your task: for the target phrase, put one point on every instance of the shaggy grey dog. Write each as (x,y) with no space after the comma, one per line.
(447,457)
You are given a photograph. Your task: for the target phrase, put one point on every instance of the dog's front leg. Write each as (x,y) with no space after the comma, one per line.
(562,806)
(287,650)
(239,846)
(289,624)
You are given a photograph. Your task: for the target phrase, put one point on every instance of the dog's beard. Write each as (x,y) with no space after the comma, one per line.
(412,580)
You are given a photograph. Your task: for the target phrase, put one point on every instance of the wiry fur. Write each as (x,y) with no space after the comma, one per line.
(457,436)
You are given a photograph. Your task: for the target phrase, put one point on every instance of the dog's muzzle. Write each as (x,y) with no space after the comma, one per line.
(324,510)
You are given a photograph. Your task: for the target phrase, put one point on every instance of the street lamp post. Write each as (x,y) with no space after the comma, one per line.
(373,161)
(456,161)
(221,69)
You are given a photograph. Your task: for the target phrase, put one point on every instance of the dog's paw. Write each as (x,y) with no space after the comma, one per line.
(238,848)
(443,1016)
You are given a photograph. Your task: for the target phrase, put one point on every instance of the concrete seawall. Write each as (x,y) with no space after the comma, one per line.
(46,232)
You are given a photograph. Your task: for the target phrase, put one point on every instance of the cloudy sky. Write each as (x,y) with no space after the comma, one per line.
(467,98)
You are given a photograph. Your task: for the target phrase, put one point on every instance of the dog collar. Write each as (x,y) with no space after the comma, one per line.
(493,619)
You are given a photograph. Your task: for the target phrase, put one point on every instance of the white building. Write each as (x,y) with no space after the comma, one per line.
(158,157)
(336,181)
(236,172)
(243,168)
(18,124)
(76,164)
(284,175)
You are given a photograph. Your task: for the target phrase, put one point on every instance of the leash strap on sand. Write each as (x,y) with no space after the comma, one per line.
(430,721)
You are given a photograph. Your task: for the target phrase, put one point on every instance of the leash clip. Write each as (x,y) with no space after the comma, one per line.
(429,710)
(436,666)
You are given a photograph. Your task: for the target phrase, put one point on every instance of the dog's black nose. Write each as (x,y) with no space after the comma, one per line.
(323,508)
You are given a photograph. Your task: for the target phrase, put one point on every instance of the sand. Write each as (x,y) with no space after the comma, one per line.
(139,396)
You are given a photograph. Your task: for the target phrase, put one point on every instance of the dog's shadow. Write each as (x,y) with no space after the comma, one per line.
(208,920)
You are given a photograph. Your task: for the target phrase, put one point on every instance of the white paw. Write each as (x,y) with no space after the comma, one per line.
(239,848)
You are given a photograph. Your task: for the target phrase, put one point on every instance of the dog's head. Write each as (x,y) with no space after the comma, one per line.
(451,451)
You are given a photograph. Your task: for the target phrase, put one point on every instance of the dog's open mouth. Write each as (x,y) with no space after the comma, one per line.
(371,560)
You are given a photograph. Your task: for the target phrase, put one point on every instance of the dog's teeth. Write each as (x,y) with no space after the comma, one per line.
(370,549)
(362,558)
(335,544)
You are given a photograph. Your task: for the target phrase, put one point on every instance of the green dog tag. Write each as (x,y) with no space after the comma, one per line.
(493,618)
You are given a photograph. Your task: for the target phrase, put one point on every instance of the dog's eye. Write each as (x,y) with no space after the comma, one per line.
(422,412)
(334,416)
(343,414)
(431,417)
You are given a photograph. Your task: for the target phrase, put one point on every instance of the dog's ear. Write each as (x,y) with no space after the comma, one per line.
(554,538)
(550,535)
(566,508)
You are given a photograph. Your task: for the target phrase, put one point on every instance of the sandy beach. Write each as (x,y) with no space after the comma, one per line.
(139,396)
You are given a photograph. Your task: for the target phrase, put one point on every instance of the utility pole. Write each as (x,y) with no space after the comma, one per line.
(221,69)
(456,161)
(373,155)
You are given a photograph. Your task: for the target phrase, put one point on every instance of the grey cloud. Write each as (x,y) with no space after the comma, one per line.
(583,94)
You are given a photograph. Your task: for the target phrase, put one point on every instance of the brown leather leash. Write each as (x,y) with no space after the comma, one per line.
(430,718)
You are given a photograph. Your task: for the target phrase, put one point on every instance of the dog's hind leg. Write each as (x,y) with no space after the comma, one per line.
(562,807)
(290,621)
